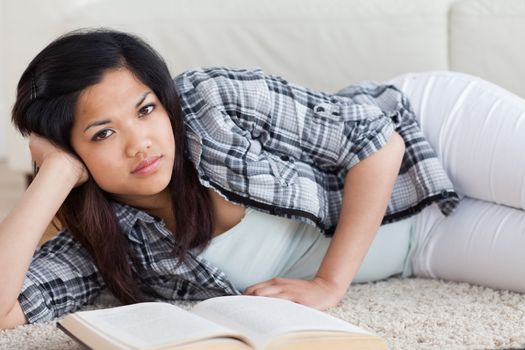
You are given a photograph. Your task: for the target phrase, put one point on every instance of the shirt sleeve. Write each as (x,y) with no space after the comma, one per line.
(238,110)
(61,278)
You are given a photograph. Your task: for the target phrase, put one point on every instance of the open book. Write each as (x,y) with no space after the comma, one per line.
(229,323)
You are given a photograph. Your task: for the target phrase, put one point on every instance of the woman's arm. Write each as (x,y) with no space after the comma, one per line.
(15,317)
(367,190)
(22,229)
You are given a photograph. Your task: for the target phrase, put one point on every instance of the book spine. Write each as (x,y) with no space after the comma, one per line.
(59,326)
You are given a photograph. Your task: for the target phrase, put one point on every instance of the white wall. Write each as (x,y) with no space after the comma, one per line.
(29,25)
(4,110)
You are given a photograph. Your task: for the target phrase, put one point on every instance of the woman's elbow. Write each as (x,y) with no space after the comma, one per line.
(396,147)
(15,317)
(397,143)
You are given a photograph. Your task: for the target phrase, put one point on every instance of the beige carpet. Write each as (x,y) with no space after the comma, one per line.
(409,314)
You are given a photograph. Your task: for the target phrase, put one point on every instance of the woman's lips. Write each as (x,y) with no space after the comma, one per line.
(147,166)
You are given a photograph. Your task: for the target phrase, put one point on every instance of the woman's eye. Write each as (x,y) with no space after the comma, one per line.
(146,109)
(102,134)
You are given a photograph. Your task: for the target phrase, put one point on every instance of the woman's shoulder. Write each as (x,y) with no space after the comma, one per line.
(221,71)
(241,88)
(219,77)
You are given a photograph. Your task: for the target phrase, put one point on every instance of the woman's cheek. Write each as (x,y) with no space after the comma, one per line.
(104,171)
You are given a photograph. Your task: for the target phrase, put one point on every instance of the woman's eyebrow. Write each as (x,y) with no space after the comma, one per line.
(142,99)
(98,122)
(106,121)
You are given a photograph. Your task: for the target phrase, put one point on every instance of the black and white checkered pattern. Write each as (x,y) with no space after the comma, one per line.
(62,276)
(285,149)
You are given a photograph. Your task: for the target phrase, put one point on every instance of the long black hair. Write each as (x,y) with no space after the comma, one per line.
(47,95)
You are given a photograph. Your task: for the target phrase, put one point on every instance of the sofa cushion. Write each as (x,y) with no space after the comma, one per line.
(321,44)
(487,39)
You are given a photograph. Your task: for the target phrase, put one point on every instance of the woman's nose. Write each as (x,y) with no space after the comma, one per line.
(137,142)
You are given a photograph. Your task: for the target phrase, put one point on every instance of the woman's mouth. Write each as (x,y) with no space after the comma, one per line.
(147,166)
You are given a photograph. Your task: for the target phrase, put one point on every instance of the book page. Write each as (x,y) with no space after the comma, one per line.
(151,324)
(263,318)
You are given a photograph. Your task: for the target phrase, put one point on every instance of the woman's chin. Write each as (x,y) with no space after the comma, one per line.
(150,192)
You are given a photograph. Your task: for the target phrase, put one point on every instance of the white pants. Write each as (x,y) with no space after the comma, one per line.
(478,131)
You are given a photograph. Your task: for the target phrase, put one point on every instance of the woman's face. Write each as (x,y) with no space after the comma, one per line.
(124,137)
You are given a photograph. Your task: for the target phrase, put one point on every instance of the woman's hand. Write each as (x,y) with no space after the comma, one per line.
(43,150)
(317,292)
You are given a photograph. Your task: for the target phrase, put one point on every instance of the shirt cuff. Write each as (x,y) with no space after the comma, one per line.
(33,304)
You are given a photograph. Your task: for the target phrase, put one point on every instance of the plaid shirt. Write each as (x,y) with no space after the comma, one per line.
(262,142)
(285,149)
(62,276)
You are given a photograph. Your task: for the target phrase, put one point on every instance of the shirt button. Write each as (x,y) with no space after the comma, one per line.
(444,193)
(319,109)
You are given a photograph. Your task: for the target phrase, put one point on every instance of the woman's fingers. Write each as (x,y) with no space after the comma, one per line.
(274,287)
(43,149)
(313,293)
(264,291)
(38,147)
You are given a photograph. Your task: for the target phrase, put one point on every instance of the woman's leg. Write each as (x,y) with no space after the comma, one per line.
(480,243)
(478,132)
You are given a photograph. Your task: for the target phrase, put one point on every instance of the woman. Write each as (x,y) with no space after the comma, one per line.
(150,177)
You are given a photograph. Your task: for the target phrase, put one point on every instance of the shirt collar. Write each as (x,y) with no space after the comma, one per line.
(127,217)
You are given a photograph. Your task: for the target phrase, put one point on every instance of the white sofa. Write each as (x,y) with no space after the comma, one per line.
(323,44)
